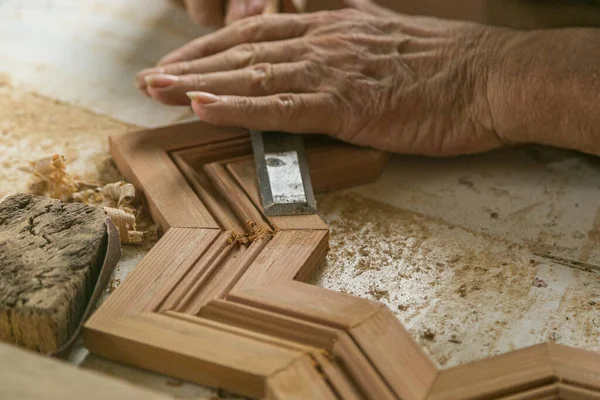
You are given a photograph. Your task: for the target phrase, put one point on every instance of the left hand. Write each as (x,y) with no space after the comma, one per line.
(384,80)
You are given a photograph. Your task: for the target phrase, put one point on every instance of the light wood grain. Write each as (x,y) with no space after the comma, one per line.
(270,323)
(287,255)
(497,376)
(395,354)
(548,392)
(300,381)
(576,366)
(213,276)
(194,352)
(197,157)
(340,382)
(28,376)
(367,379)
(570,392)
(216,204)
(241,205)
(157,275)
(179,137)
(170,199)
(310,303)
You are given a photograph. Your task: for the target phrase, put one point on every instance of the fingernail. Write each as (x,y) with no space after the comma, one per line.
(151,71)
(203,97)
(161,81)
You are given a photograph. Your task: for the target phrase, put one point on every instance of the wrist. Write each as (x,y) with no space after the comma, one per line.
(508,87)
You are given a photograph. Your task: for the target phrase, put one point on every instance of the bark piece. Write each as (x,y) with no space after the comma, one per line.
(50,257)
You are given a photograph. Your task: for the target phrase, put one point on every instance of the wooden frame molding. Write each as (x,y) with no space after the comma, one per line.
(220,299)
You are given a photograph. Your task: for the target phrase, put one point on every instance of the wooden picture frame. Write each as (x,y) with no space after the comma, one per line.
(220,299)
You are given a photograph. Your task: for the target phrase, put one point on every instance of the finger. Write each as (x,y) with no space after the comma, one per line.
(298,113)
(258,80)
(257,7)
(293,6)
(366,6)
(205,12)
(235,58)
(236,9)
(250,30)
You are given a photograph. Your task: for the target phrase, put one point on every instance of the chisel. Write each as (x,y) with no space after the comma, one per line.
(282,169)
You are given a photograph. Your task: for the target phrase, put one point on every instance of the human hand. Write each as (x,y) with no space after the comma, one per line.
(215,13)
(378,79)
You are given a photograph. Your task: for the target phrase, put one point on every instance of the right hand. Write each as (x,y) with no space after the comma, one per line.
(216,13)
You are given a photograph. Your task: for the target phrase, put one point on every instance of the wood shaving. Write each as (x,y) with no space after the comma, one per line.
(50,178)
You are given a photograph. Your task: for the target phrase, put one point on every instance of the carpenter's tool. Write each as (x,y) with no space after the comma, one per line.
(283,178)
(282,169)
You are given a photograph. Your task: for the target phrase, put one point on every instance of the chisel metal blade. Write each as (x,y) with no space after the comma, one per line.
(283,176)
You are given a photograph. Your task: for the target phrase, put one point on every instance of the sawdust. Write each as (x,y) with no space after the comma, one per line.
(33,126)
(436,277)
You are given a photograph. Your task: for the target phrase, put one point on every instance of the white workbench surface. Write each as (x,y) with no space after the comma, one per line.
(476,255)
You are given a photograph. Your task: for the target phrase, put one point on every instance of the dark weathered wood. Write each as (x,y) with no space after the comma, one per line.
(50,257)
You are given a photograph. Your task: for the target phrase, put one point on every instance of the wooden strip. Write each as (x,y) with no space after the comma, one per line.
(179,137)
(366,378)
(197,275)
(338,166)
(310,303)
(395,354)
(29,376)
(244,172)
(212,199)
(496,376)
(157,275)
(237,199)
(205,355)
(288,254)
(548,392)
(300,381)
(196,157)
(576,366)
(570,392)
(171,200)
(270,323)
(226,275)
(339,382)
(241,332)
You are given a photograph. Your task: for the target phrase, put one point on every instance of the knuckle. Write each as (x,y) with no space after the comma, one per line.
(287,105)
(246,53)
(182,67)
(198,82)
(263,77)
(251,27)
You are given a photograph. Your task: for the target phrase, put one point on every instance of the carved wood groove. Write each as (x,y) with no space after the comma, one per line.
(220,300)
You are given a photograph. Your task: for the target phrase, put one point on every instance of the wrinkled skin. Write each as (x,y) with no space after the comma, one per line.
(369,77)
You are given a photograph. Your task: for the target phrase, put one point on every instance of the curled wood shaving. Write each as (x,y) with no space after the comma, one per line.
(122,192)
(50,178)
(126,225)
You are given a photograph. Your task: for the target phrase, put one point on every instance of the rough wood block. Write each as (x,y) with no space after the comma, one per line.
(50,258)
